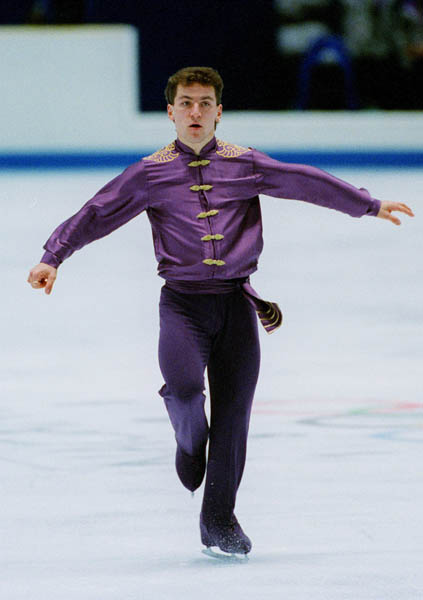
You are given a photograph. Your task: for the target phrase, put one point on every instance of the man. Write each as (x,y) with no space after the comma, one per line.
(201,197)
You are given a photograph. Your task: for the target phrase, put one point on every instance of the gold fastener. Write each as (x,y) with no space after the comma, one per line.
(212,261)
(199,188)
(217,236)
(210,213)
(199,163)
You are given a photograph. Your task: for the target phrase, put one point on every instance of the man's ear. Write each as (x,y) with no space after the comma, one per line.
(170,112)
(219,113)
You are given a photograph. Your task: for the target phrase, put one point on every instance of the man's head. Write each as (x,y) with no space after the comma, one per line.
(203,75)
(194,95)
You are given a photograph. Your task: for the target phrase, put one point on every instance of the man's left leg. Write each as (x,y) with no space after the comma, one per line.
(233,372)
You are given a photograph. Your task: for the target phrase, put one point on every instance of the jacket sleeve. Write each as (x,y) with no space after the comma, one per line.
(302,182)
(115,204)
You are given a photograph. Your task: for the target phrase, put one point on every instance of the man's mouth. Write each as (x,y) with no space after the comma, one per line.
(195,125)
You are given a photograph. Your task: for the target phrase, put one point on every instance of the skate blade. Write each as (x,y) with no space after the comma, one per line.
(225,556)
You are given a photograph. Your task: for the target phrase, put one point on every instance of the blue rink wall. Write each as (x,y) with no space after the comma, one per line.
(69,100)
(106,160)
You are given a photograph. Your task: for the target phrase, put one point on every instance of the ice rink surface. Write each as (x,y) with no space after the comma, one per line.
(332,495)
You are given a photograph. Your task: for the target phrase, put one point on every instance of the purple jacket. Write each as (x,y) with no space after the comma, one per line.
(204,209)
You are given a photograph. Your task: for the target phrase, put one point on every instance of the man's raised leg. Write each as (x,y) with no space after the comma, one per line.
(184,348)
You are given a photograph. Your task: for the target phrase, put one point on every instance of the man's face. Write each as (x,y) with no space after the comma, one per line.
(195,113)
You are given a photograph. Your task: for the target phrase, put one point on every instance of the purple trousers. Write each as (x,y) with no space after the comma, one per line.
(218,331)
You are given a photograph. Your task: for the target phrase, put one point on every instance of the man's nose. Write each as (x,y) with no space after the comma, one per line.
(195,111)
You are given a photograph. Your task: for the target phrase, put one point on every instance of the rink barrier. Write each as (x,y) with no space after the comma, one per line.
(107,160)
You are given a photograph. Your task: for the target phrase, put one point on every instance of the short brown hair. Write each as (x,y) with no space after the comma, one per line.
(190,75)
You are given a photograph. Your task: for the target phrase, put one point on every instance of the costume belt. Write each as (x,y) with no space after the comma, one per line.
(269,313)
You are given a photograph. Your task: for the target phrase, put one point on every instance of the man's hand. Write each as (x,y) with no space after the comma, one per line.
(386,209)
(42,276)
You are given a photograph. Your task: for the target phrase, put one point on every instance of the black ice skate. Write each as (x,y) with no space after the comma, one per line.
(190,469)
(227,536)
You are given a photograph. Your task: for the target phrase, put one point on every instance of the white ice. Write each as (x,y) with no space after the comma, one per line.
(332,495)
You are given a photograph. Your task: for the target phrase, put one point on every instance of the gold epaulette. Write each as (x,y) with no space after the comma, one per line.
(166,154)
(228,150)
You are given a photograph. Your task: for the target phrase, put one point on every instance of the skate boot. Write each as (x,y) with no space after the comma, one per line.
(227,535)
(190,469)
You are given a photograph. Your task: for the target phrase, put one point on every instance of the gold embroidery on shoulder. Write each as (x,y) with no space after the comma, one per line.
(228,150)
(166,154)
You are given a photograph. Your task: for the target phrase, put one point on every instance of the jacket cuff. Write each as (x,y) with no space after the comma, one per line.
(374,209)
(50,259)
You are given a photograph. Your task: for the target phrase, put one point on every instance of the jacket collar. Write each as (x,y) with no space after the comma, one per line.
(211,145)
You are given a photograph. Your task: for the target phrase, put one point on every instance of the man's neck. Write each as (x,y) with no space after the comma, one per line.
(197,147)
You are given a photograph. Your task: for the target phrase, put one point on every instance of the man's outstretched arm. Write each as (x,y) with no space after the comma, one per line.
(115,204)
(303,182)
